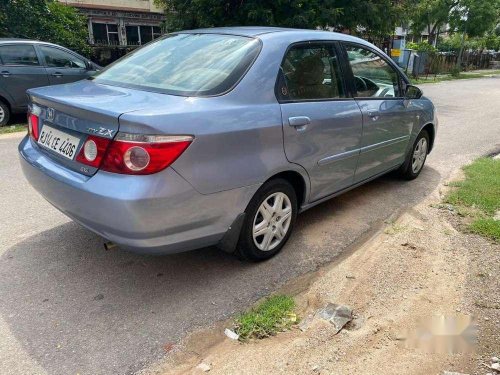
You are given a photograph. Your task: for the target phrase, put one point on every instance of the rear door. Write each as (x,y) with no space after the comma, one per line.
(62,66)
(20,69)
(321,125)
(387,123)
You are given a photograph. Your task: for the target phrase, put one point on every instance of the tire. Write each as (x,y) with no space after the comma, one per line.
(4,113)
(415,160)
(276,228)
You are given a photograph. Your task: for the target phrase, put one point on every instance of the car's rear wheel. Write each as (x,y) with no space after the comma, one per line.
(416,159)
(269,220)
(4,113)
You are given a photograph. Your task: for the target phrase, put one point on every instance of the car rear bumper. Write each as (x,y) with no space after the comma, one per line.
(160,213)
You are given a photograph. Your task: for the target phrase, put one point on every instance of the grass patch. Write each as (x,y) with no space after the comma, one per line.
(449,77)
(487,227)
(478,196)
(394,229)
(273,315)
(13,128)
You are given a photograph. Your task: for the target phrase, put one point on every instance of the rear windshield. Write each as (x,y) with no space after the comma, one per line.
(185,64)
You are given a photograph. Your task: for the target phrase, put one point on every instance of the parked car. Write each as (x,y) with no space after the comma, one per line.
(222,136)
(26,64)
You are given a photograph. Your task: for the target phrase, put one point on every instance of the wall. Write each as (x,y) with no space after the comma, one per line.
(130,5)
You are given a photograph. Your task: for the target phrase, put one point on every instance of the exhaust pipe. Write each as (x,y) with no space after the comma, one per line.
(109,245)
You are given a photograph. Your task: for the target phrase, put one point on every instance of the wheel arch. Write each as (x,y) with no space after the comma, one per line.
(6,117)
(4,100)
(431,130)
(298,182)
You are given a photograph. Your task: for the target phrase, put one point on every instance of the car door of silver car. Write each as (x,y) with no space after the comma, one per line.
(321,125)
(387,123)
(62,66)
(20,69)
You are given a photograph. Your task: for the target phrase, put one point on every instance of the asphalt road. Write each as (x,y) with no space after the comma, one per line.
(69,307)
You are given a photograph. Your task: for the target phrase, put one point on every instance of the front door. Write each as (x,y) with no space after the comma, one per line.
(387,123)
(20,70)
(321,126)
(62,66)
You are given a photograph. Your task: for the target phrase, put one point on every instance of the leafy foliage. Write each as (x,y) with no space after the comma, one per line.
(475,17)
(374,17)
(423,46)
(47,20)
(489,41)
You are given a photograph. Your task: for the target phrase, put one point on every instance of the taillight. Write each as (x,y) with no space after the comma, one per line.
(93,151)
(133,153)
(143,154)
(33,129)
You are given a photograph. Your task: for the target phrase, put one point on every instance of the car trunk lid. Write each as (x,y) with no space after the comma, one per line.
(73,112)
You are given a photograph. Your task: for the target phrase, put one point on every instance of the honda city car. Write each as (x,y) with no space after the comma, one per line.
(222,136)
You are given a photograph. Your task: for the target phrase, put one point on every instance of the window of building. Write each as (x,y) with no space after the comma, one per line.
(113,34)
(105,33)
(146,34)
(156,32)
(138,35)
(133,38)
(18,55)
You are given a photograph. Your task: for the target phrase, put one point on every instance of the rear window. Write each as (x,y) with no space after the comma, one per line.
(185,64)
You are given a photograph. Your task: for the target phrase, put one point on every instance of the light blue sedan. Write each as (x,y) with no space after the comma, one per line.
(222,136)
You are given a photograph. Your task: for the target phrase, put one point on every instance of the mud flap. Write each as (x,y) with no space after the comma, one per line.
(230,240)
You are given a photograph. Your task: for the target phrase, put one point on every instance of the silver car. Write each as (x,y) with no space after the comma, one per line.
(222,136)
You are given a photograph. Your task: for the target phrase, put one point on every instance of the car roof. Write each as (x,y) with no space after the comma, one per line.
(26,41)
(240,30)
(257,31)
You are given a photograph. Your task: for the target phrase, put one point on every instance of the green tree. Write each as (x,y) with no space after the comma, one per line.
(373,17)
(474,17)
(47,20)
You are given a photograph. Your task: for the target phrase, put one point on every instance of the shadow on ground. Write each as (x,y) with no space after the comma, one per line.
(78,309)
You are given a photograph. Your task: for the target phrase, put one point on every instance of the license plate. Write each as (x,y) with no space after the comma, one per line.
(58,141)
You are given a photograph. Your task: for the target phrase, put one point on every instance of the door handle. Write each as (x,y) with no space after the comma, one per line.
(57,74)
(5,73)
(299,121)
(373,114)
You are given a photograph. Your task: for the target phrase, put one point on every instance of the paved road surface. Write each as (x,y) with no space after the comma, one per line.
(69,307)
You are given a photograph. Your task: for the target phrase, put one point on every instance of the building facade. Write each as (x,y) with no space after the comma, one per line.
(115,27)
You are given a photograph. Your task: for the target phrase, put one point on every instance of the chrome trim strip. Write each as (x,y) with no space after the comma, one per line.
(384,143)
(338,157)
(144,138)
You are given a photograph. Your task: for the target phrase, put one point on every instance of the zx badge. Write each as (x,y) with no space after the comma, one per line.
(101,131)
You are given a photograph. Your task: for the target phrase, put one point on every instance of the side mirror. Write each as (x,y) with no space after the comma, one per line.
(413,92)
(91,66)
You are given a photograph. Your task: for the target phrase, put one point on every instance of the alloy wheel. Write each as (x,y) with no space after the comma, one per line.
(419,155)
(2,114)
(272,221)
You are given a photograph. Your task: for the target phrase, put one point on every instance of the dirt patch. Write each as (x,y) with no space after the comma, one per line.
(418,267)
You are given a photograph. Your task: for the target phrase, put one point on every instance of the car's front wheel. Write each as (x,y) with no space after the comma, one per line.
(4,113)
(269,220)
(416,159)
